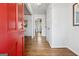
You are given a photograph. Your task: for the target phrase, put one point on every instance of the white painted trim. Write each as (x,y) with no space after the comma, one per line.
(73,51)
(51,45)
(59,47)
(49,42)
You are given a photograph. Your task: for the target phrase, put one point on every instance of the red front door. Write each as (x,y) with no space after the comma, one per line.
(11,29)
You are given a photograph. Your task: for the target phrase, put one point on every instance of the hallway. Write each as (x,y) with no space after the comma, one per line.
(40,47)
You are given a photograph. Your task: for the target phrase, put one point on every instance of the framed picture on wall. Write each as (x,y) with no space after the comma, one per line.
(76,14)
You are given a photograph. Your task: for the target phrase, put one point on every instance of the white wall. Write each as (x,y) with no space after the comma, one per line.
(64,34)
(57,14)
(61,24)
(49,34)
(28,29)
(35,17)
(73,32)
(69,33)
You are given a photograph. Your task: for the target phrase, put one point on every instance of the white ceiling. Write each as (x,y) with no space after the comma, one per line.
(39,9)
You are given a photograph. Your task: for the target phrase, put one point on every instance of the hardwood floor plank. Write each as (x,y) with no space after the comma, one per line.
(40,47)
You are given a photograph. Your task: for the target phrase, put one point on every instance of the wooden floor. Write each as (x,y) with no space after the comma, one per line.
(40,47)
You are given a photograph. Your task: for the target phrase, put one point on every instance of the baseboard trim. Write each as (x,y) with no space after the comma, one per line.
(74,51)
(59,47)
(49,43)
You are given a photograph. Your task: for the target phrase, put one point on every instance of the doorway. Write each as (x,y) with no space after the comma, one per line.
(38,27)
